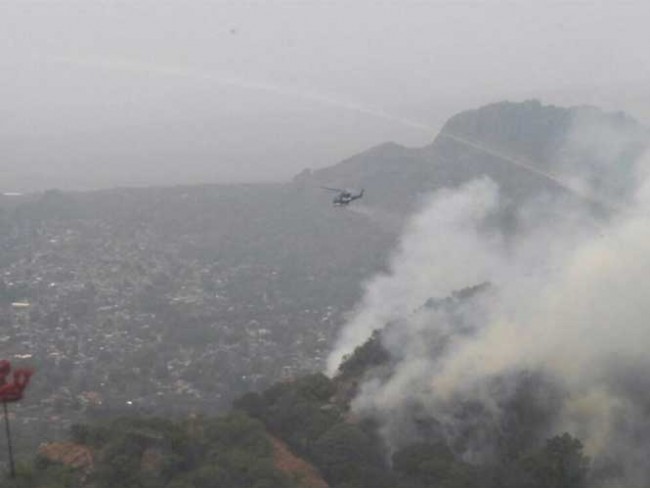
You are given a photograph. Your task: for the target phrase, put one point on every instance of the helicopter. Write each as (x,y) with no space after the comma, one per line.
(344,197)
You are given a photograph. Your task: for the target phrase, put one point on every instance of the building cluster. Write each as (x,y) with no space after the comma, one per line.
(117,319)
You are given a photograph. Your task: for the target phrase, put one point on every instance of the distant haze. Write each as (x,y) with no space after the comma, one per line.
(105,93)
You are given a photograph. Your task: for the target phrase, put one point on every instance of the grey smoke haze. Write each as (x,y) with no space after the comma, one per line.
(264,89)
(567,312)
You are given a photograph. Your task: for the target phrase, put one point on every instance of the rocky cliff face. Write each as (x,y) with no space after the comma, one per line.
(529,129)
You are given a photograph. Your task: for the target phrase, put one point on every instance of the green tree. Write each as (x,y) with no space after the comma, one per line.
(559,464)
(348,456)
(432,464)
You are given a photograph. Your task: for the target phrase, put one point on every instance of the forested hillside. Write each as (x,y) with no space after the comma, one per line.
(325,446)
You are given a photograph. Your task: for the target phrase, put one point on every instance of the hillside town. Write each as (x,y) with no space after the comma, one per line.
(117,318)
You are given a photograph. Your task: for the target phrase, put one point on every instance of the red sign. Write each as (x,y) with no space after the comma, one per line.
(12,391)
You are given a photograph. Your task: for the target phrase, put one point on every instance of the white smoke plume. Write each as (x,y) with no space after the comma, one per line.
(566,317)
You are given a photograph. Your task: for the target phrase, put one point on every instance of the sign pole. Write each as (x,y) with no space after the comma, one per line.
(12,467)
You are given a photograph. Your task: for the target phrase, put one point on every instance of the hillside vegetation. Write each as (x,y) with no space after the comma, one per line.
(326,447)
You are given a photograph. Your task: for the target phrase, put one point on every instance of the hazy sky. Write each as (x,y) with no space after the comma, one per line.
(100,93)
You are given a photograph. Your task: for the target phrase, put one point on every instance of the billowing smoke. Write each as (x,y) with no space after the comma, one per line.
(527,334)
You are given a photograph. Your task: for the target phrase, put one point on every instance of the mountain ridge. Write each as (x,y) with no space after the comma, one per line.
(530,130)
